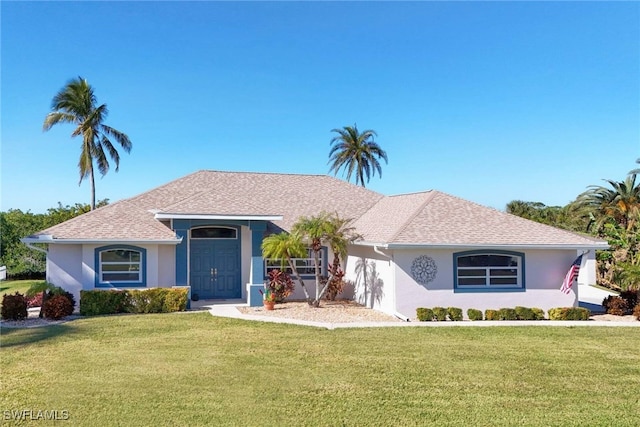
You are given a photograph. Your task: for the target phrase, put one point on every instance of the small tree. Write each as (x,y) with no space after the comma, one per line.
(284,247)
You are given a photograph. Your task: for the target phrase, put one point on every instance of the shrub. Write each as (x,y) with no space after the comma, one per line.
(282,286)
(424,314)
(474,314)
(57,306)
(636,312)
(34,301)
(146,300)
(615,305)
(176,300)
(525,313)
(95,303)
(538,312)
(491,315)
(14,307)
(569,313)
(455,313)
(154,300)
(507,314)
(440,313)
(631,297)
(336,285)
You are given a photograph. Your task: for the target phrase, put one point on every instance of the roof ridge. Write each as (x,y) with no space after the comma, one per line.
(429,197)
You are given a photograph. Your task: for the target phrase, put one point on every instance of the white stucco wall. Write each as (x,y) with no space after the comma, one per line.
(372,275)
(587,274)
(166,266)
(64,268)
(544,273)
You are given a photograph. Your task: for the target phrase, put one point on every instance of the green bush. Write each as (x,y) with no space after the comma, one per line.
(176,300)
(14,307)
(455,313)
(474,314)
(507,314)
(491,315)
(525,313)
(95,303)
(154,300)
(569,313)
(631,297)
(538,312)
(424,314)
(57,306)
(440,313)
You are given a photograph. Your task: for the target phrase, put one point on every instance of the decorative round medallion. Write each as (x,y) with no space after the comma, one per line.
(424,269)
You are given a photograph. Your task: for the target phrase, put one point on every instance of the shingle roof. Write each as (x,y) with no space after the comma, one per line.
(427,218)
(435,218)
(220,193)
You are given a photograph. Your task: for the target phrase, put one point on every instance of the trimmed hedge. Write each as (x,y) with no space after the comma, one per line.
(154,300)
(569,313)
(539,313)
(455,313)
(474,314)
(440,313)
(491,315)
(424,314)
(57,306)
(507,314)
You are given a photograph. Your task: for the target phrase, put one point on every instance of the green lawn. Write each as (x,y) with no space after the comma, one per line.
(13,286)
(194,369)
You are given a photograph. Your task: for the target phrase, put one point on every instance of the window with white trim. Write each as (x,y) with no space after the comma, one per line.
(483,270)
(305,266)
(120,265)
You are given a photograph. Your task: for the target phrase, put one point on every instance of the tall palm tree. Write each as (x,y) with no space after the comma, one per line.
(620,201)
(76,104)
(284,247)
(356,152)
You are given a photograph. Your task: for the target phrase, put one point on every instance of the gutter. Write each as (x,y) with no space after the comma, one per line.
(390,246)
(35,248)
(378,251)
(47,238)
(401,316)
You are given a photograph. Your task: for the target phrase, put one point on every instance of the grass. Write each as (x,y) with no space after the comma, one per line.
(12,286)
(194,369)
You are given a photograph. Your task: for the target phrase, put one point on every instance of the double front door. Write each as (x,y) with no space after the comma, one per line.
(215,268)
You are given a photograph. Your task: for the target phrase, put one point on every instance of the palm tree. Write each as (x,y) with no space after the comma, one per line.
(355,151)
(312,230)
(332,230)
(76,104)
(620,202)
(284,247)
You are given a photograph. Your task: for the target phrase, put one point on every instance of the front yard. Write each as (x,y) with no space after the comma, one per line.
(194,369)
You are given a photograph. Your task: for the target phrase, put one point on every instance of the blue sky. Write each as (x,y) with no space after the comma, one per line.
(487,101)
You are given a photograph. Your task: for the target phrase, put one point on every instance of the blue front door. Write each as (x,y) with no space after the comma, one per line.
(215,268)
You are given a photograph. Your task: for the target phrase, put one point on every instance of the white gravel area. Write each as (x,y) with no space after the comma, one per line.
(341,311)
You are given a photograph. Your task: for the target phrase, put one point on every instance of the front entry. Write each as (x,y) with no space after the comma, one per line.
(215,263)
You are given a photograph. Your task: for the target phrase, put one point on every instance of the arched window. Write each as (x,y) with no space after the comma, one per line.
(214,233)
(488,270)
(121,266)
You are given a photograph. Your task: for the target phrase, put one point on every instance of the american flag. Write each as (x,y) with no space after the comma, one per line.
(571,276)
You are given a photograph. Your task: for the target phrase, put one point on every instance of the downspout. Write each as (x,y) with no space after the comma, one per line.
(395,313)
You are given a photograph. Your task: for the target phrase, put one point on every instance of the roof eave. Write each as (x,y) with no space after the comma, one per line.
(590,246)
(48,239)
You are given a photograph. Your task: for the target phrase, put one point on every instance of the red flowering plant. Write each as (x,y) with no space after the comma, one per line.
(280,285)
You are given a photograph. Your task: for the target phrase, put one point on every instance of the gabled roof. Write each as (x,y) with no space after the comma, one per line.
(433,218)
(428,218)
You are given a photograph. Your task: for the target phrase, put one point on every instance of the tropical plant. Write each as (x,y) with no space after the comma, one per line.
(619,202)
(284,247)
(76,104)
(280,284)
(356,152)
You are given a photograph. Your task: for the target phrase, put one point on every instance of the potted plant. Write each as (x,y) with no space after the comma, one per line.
(268,298)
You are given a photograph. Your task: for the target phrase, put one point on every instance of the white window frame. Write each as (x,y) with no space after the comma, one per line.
(101,263)
(309,262)
(487,285)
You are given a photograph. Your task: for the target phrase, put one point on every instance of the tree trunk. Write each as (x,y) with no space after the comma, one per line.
(304,288)
(93,187)
(316,259)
